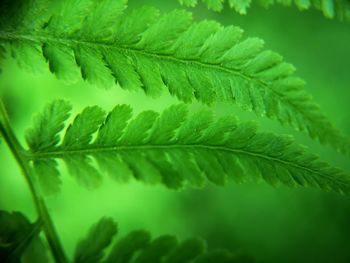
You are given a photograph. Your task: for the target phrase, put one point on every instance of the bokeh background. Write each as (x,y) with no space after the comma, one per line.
(271,224)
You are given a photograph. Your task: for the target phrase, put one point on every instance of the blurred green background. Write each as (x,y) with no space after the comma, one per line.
(270,224)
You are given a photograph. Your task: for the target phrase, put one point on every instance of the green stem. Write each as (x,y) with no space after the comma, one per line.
(20,156)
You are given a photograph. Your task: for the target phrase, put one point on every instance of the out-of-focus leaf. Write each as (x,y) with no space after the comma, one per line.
(19,240)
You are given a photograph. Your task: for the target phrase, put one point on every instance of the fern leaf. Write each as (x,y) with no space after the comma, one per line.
(137,247)
(46,126)
(190,3)
(19,239)
(240,6)
(329,8)
(215,5)
(186,251)
(174,148)
(90,250)
(125,249)
(141,49)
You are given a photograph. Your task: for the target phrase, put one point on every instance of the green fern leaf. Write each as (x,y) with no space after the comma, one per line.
(240,6)
(19,240)
(173,148)
(215,5)
(137,247)
(329,8)
(141,49)
(190,3)
(186,251)
(125,249)
(90,249)
(44,134)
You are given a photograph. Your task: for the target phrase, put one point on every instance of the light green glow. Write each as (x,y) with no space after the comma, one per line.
(272,224)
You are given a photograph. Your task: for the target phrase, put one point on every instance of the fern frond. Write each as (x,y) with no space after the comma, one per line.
(18,237)
(172,148)
(330,8)
(100,237)
(138,247)
(141,49)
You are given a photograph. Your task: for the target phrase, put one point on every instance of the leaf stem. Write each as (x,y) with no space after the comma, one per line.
(18,152)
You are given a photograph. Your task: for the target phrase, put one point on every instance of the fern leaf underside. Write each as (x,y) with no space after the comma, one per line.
(20,242)
(172,148)
(329,8)
(18,238)
(141,49)
(138,247)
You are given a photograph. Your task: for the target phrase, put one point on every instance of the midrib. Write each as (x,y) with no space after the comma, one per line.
(71,42)
(93,149)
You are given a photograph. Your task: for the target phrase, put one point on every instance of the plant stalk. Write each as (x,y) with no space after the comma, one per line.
(18,152)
